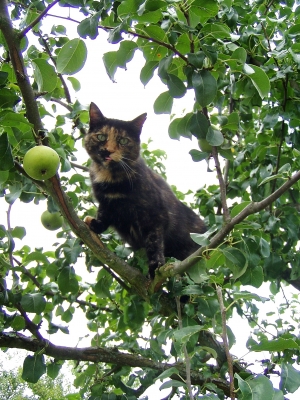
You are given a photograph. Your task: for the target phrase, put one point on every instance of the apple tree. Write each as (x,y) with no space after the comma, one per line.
(240,60)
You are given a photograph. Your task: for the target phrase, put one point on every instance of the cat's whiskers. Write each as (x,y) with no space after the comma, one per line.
(128,171)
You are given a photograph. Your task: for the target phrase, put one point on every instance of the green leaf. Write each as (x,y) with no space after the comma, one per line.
(18,232)
(183,335)
(33,368)
(198,272)
(126,52)
(294,30)
(111,63)
(259,79)
(253,276)
(289,379)
(264,247)
(248,296)
(163,104)
(75,83)
(208,306)
(67,282)
(163,67)
(214,137)
(239,208)
(6,158)
(18,323)
(216,30)
(147,71)
(173,131)
(257,388)
(198,155)
(205,87)
(156,32)
(44,75)
(33,303)
(202,238)
(12,119)
(199,125)
(8,98)
(196,59)
(167,373)
(176,87)
(183,126)
(128,7)
(71,57)
(172,383)
(276,345)
(53,369)
(89,27)
(272,178)
(235,261)
(240,55)
(204,9)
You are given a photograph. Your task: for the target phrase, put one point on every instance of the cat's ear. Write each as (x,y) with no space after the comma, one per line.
(139,121)
(96,116)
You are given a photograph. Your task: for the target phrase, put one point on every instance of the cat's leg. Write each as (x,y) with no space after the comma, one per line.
(154,245)
(98,225)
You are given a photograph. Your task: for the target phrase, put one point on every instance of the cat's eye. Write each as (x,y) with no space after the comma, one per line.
(101,137)
(123,141)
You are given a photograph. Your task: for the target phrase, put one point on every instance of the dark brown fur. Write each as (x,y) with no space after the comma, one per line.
(132,198)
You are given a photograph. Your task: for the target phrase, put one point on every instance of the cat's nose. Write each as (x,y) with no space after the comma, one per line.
(110,147)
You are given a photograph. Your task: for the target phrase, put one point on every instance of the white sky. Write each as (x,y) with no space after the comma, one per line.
(125,99)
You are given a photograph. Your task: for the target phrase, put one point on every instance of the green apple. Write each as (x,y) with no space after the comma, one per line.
(51,221)
(204,145)
(41,162)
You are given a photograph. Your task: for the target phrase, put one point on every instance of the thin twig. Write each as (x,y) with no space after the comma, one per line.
(11,242)
(226,213)
(186,354)
(225,342)
(74,165)
(37,20)
(47,48)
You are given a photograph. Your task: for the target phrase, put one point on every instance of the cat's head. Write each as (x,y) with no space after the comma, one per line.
(112,141)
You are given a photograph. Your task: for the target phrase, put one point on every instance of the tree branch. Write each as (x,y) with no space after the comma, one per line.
(180,267)
(105,355)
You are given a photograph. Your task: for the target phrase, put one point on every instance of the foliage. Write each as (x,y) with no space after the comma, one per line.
(12,387)
(240,59)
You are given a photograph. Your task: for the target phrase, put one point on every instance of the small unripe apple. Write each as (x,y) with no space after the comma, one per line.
(51,221)
(41,162)
(204,145)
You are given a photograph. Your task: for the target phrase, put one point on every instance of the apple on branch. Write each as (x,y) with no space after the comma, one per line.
(51,221)
(41,162)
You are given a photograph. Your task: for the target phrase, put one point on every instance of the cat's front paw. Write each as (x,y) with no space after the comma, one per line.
(94,225)
(88,220)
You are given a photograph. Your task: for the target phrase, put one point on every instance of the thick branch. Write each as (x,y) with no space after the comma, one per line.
(130,274)
(105,355)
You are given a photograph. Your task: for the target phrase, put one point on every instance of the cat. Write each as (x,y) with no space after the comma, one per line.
(133,199)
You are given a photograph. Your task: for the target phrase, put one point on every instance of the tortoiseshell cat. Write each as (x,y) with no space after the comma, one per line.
(132,198)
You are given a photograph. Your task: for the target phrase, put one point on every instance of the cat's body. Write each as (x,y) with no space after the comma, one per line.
(132,198)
